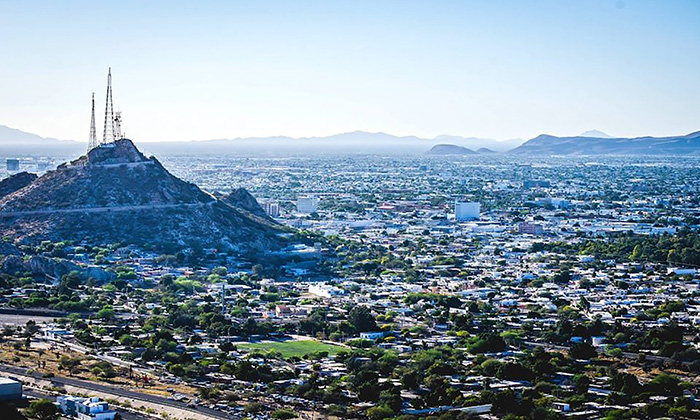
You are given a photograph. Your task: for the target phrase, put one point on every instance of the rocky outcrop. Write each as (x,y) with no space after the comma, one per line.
(15,183)
(54,268)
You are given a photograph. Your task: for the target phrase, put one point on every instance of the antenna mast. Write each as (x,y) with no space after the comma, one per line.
(108,136)
(92,142)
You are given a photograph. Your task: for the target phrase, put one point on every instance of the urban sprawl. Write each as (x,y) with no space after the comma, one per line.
(418,288)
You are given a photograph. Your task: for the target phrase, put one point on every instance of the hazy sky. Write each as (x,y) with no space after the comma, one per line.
(224,69)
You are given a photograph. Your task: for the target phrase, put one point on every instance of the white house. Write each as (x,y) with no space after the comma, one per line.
(85,408)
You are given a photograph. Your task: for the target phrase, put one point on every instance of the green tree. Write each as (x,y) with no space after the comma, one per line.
(665,384)
(42,409)
(582,350)
(362,319)
(284,414)
(380,412)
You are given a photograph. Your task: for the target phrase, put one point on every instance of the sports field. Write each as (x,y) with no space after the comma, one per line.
(291,348)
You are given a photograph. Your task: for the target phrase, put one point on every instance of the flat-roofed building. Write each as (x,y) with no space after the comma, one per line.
(10,389)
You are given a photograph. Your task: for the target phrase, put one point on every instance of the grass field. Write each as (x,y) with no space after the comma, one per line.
(291,348)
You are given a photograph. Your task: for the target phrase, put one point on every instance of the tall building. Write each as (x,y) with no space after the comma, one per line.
(12,165)
(271,207)
(307,204)
(468,210)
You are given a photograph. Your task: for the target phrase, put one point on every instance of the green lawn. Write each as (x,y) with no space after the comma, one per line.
(292,348)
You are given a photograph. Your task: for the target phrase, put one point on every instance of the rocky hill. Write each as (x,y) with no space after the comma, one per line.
(115,194)
(243,200)
(450,149)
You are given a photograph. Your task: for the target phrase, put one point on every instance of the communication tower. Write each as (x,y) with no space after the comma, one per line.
(92,142)
(108,135)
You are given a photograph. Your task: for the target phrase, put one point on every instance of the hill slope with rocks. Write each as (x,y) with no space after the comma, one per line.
(115,194)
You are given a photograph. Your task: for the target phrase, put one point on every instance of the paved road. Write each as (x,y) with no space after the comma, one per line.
(121,392)
(4,213)
(7,319)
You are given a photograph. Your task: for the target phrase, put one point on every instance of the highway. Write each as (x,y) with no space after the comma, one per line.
(121,392)
(11,213)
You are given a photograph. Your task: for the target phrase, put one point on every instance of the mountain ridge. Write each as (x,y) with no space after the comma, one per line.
(354,141)
(9,135)
(545,144)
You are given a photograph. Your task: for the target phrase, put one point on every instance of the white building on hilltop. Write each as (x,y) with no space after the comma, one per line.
(469,210)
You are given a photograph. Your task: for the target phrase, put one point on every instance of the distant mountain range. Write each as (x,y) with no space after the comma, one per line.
(14,136)
(18,143)
(15,142)
(581,145)
(354,142)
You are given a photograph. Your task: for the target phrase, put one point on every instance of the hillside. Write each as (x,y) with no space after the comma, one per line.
(116,194)
(552,145)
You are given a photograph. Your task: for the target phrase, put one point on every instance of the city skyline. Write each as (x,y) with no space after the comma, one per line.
(500,71)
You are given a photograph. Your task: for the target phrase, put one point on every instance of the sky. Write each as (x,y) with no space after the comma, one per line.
(225,69)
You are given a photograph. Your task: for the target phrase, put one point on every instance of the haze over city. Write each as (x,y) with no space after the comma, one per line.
(209,70)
